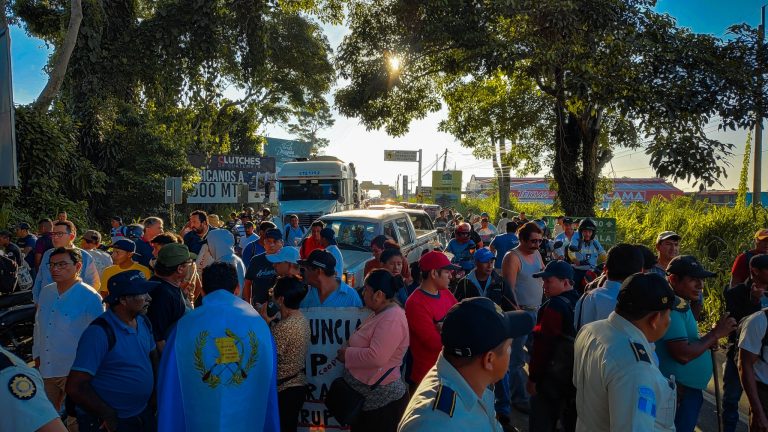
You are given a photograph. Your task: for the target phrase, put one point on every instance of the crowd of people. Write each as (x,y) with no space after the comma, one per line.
(205,330)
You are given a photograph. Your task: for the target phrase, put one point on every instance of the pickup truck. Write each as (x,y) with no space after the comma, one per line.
(356,228)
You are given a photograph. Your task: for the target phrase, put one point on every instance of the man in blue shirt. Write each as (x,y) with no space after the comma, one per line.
(326,290)
(197,229)
(462,247)
(293,232)
(682,352)
(112,377)
(219,368)
(26,242)
(503,243)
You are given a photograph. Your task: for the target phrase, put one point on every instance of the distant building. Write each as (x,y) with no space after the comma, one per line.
(718,197)
(536,189)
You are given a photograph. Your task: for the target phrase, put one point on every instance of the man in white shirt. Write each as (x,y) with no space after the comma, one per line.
(623,261)
(753,367)
(63,235)
(65,308)
(248,235)
(328,242)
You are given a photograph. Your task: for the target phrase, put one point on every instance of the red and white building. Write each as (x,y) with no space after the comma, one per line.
(536,189)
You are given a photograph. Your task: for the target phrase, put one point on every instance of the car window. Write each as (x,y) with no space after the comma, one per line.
(402,229)
(421,221)
(390,230)
(353,234)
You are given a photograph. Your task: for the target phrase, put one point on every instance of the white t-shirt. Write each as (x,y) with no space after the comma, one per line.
(751,339)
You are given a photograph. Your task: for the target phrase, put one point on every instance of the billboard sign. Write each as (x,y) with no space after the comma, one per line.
(221,175)
(401,156)
(446,187)
(284,150)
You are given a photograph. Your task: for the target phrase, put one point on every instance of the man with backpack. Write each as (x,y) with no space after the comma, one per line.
(740,270)
(741,301)
(112,378)
(550,373)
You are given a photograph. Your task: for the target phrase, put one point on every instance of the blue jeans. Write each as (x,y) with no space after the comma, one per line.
(517,375)
(689,403)
(501,390)
(731,394)
(144,422)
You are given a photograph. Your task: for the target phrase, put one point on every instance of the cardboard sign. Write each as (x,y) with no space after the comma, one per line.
(330,328)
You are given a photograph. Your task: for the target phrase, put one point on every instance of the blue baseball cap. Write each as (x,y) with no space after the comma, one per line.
(559,269)
(127,245)
(287,254)
(484,255)
(131,282)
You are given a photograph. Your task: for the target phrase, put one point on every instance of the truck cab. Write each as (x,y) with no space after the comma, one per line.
(314,187)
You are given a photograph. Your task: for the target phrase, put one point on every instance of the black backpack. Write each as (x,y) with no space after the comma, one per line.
(560,370)
(9,275)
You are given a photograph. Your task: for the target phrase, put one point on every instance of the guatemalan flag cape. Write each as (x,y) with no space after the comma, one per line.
(219,370)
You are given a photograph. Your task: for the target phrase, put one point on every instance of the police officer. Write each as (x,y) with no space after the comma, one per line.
(618,384)
(26,408)
(455,395)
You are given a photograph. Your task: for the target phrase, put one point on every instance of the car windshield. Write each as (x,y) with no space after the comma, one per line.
(294,190)
(354,235)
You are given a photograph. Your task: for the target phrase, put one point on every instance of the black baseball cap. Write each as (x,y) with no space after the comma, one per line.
(273,233)
(559,269)
(688,265)
(645,292)
(23,225)
(328,234)
(477,325)
(759,262)
(319,258)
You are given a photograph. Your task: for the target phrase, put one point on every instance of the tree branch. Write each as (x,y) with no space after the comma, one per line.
(59,70)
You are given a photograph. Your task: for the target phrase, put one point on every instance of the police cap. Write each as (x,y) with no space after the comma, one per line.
(645,292)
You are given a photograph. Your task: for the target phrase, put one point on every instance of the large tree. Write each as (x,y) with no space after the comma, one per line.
(614,73)
(148,82)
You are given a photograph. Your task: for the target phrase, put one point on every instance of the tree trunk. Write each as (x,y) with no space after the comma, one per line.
(502,172)
(575,168)
(59,70)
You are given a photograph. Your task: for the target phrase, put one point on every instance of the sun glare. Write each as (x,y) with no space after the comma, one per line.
(394,63)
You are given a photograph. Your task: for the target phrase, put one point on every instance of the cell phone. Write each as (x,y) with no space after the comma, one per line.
(272,309)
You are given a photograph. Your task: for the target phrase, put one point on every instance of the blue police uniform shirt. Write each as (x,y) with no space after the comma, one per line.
(444,401)
(123,376)
(219,370)
(343,296)
(462,255)
(26,408)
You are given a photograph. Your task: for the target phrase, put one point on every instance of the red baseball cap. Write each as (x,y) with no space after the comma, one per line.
(435,260)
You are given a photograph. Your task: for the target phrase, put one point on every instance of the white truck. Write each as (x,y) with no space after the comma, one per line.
(315,187)
(355,230)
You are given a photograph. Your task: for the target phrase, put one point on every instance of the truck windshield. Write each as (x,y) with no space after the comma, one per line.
(354,235)
(293,190)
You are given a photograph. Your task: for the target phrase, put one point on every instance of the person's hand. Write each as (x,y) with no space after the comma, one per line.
(341,353)
(109,422)
(263,312)
(530,387)
(725,326)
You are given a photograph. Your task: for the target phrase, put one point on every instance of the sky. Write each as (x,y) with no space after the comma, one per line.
(351,142)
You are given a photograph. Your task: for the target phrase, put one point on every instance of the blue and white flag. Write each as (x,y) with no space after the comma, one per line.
(219,370)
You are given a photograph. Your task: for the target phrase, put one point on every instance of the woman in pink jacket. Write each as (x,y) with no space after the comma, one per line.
(376,350)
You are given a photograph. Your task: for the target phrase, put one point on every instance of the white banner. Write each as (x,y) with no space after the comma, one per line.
(330,328)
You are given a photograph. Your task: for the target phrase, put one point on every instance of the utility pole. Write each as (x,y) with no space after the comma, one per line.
(445,160)
(418,186)
(756,187)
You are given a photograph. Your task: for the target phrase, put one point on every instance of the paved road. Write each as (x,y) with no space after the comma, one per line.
(707,418)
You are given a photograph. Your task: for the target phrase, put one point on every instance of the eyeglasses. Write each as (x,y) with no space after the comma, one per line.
(59,264)
(58,234)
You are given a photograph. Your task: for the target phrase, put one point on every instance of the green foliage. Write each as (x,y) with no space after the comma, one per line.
(608,73)
(489,204)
